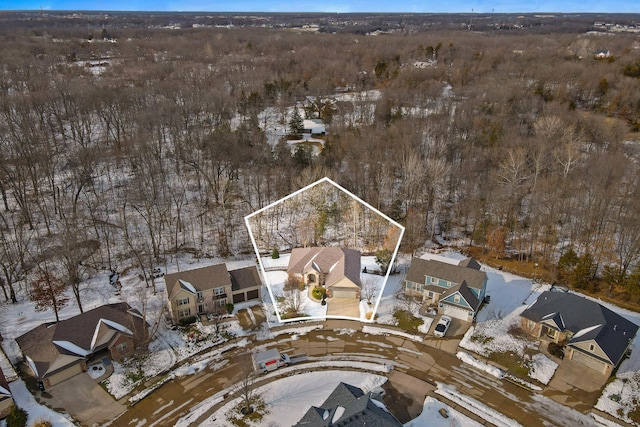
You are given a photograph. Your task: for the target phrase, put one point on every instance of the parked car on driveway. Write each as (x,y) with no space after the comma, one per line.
(443,325)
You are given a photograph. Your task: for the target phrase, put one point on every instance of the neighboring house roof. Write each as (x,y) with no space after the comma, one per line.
(463,272)
(348,406)
(586,320)
(245,278)
(51,347)
(335,262)
(199,279)
(4,386)
(464,291)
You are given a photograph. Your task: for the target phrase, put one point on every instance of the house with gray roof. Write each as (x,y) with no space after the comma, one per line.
(334,268)
(207,290)
(349,406)
(458,290)
(57,351)
(593,335)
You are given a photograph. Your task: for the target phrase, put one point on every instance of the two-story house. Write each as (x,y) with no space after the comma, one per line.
(458,290)
(208,290)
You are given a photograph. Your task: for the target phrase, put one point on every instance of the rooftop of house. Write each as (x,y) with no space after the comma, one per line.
(335,262)
(56,345)
(468,270)
(199,279)
(585,319)
(245,278)
(348,406)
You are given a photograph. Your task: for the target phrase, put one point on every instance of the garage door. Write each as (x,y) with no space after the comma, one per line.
(65,374)
(588,361)
(343,293)
(457,312)
(252,294)
(238,298)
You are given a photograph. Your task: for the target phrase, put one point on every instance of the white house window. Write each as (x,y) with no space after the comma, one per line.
(456,298)
(199,295)
(591,347)
(221,302)
(430,294)
(183,301)
(434,280)
(184,313)
(122,347)
(218,291)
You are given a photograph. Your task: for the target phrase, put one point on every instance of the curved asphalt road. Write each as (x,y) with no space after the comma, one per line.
(417,368)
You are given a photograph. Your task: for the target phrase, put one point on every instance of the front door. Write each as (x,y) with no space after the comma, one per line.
(200,308)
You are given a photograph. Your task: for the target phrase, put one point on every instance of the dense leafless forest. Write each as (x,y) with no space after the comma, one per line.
(126,140)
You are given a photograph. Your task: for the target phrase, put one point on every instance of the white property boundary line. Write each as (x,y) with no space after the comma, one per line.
(354,197)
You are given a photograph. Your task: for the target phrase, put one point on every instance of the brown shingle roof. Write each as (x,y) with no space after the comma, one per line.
(334,261)
(420,268)
(38,343)
(245,278)
(213,276)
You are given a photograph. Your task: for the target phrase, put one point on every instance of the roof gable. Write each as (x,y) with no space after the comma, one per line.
(335,262)
(50,347)
(586,319)
(198,279)
(420,268)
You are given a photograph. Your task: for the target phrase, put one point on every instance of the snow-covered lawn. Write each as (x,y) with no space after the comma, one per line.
(620,397)
(431,416)
(25,400)
(289,398)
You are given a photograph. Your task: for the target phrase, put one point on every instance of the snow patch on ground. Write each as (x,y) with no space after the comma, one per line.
(432,418)
(620,397)
(480,365)
(374,330)
(288,399)
(542,368)
(483,411)
(25,400)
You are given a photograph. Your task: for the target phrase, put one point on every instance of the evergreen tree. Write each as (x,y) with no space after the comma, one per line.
(296,124)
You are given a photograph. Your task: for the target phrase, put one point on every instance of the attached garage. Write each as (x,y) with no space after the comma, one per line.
(63,375)
(239,297)
(255,294)
(344,293)
(588,361)
(456,312)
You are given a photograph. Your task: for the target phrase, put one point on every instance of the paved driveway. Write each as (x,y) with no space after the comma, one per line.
(343,307)
(85,400)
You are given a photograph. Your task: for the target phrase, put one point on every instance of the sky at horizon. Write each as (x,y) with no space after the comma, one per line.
(337,6)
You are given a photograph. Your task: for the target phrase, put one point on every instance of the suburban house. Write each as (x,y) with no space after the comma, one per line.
(349,406)
(6,400)
(57,351)
(207,290)
(594,336)
(313,127)
(458,290)
(336,269)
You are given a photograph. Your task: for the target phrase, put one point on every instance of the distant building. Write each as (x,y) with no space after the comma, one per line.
(336,269)
(595,336)
(314,127)
(208,290)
